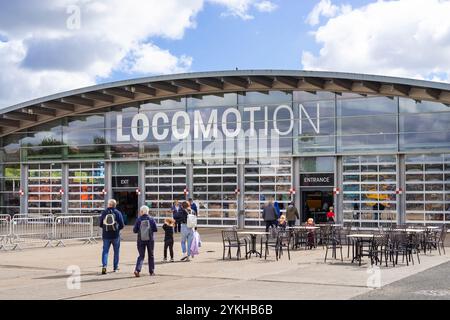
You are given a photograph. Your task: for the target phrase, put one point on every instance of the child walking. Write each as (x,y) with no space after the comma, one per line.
(168,228)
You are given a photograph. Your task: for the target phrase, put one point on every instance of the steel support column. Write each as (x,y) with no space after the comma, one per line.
(108,182)
(141,183)
(65,188)
(338,198)
(24,187)
(296,185)
(240,197)
(401,198)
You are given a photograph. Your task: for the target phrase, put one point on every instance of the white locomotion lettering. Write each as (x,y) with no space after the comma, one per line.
(156,134)
(252,118)
(120,136)
(316,127)
(235,133)
(206,131)
(187,125)
(135,127)
(291,119)
(207,125)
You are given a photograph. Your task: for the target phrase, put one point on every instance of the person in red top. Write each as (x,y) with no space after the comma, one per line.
(330,215)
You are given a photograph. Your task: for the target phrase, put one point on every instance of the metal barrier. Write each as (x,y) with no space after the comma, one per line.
(5,231)
(26,230)
(73,228)
(31,231)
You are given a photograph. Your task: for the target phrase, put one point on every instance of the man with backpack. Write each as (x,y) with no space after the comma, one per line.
(111,222)
(145,226)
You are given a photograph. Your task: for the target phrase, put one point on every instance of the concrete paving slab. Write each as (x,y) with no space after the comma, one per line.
(42,274)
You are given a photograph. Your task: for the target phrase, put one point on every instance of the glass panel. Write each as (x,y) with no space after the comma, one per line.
(373,200)
(271,187)
(165,182)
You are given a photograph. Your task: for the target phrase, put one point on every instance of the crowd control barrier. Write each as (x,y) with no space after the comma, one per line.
(24,231)
(5,231)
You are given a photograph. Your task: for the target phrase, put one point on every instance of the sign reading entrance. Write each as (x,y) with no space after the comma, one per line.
(125,182)
(317,180)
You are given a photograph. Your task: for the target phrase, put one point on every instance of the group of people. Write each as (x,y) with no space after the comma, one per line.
(185,219)
(273,217)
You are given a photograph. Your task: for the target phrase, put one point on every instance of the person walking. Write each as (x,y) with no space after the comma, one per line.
(175,209)
(111,222)
(145,226)
(193,206)
(292,214)
(187,232)
(276,205)
(269,215)
(168,228)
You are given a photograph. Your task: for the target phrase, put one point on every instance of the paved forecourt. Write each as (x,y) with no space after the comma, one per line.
(42,274)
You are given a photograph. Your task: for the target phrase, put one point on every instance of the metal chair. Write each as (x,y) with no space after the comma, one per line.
(271,240)
(436,240)
(334,242)
(230,240)
(284,241)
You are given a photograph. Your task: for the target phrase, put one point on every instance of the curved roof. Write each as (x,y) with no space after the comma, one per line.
(31,113)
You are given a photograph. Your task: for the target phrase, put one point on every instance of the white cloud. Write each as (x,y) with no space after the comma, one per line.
(148,58)
(40,55)
(265,6)
(326,9)
(406,38)
(241,8)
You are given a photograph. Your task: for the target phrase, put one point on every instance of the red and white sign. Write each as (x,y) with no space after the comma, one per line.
(61,191)
(398,191)
(237,191)
(21,192)
(104,192)
(186,191)
(138,191)
(336,191)
(292,190)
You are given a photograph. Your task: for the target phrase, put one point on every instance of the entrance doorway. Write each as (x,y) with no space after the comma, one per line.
(127,203)
(315,204)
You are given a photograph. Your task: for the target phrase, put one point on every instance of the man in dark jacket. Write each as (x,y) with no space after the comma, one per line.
(111,236)
(269,215)
(146,245)
(292,214)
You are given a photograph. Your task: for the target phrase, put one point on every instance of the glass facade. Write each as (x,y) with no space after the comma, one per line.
(165,182)
(44,185)
(197,142)
(215,185)
(370,190)
(10,189)
(428,188)
(265,180)
(86,185)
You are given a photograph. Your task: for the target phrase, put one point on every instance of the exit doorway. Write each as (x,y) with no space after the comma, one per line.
(127,203)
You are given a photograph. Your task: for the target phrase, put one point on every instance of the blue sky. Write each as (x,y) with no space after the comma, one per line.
(49,46)
(272,40)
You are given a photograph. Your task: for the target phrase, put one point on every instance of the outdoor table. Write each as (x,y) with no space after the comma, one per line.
(253,235)
(360,239)
(409,230)
(305,227)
